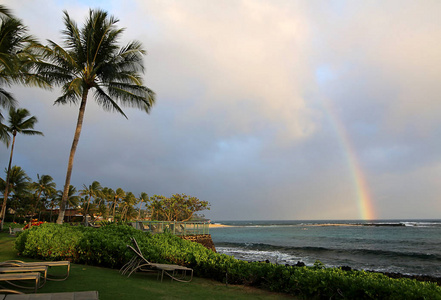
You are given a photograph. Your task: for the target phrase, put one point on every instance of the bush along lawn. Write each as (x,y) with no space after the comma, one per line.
(106,246)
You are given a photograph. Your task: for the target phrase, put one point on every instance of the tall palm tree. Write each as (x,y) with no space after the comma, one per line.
(108,195)
(44,185)
(93,60)
(19,57)
(119,194)
(92,192)
(143,197)
(72,197)
(18,123)
(18,185)
(128,201)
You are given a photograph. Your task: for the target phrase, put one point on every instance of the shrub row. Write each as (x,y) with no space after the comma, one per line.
(106,246)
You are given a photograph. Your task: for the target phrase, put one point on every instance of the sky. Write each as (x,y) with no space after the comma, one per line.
(268,110)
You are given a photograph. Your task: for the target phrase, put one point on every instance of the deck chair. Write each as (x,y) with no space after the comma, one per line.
(13,270)
(49,264)
(140,263)
(12,278)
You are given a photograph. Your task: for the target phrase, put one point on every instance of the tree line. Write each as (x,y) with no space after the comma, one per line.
(39,199)
(89,59)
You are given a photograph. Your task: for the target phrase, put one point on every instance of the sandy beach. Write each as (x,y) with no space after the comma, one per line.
(218,225)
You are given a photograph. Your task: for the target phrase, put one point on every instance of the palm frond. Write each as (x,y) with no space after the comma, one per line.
(5,12)
(4,135)
(31,132)
(7,100)
(69,96)
(106,102)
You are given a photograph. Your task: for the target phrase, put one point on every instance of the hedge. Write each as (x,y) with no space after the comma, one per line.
(106,246)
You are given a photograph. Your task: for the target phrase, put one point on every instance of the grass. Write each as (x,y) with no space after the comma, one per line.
(111,285)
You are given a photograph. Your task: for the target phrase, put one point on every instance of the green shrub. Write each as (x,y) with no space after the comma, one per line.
(106,246)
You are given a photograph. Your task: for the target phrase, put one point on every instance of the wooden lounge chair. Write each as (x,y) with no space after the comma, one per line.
(87,295)
(140,263)
(41,269)
(49,264)
(12,277)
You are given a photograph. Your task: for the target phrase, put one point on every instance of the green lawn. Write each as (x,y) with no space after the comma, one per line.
(111,285)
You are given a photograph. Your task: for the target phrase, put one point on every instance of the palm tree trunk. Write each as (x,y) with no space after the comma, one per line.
(5,196)
(139,212)
(71,157)
(36,205)
(114,207)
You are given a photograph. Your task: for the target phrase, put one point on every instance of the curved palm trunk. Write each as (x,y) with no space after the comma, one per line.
(71,157)
(5,196)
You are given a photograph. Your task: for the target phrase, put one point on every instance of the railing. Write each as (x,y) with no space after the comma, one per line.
(175,227)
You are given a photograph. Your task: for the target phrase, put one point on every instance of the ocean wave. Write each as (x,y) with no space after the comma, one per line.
(322,251)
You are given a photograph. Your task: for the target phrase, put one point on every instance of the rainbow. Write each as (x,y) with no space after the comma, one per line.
(364,201)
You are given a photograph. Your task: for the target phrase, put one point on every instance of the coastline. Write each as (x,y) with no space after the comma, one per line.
(215,225)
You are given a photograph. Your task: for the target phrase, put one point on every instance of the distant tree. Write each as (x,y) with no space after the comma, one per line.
(127,204)
(72,197)
(92,192)
(18,123)
(179,207)
(18,188)
(108,195)
(93,60)
(119,194)
(44,185)
(143,197)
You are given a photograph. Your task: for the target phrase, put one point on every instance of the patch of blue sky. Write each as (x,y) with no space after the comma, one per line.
(324,74)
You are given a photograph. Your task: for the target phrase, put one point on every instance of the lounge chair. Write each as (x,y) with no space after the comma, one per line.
(41,269)
(12,277)
(87,295)
(140,263)
(49,264)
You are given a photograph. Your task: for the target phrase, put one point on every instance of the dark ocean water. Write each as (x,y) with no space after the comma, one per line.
(405,246)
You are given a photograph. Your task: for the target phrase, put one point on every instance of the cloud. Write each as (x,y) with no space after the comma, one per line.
(242,117)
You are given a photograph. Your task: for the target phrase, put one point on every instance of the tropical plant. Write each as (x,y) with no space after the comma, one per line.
(92,192)
(127,204)
(72,198)
(119,194)
(19,56)
(108,195)
(143,197)
(19,197)
(93,60)
(18,123)
(44,185)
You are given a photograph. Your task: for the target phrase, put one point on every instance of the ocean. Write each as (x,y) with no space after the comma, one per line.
(410,247)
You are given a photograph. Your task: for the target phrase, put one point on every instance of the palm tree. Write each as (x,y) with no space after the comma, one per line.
(18,183)
(72,198)
(91,192)
(18,123)
(119,194)
(19,57)
(44,185)
(109,196)
(128,201)
(143,197)
(93,60)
